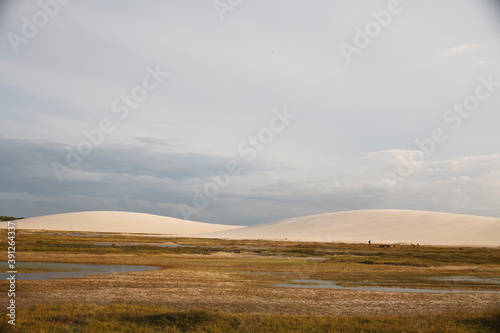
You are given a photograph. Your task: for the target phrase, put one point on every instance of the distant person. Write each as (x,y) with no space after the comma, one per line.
(369,242)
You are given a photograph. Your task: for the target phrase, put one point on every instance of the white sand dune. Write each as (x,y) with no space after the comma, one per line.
(379,226)
(119,222)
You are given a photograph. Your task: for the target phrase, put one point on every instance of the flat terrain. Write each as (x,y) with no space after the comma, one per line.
(235,279)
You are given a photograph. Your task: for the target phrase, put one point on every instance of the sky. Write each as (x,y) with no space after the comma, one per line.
(246,112)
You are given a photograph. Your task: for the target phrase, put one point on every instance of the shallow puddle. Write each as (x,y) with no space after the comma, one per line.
(50,270)
(321,284)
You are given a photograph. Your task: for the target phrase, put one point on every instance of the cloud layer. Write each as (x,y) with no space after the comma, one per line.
(354,121)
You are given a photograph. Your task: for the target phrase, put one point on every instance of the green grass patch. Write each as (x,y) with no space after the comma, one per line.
(133,318)
(411,256)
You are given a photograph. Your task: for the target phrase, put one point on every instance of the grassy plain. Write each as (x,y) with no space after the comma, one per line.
(227,285)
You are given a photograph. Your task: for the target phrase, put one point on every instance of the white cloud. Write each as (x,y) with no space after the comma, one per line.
(479,63)
(391,157)
(490,161)
(452,51)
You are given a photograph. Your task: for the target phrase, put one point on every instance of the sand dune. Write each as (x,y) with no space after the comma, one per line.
(379,226)
(120,222)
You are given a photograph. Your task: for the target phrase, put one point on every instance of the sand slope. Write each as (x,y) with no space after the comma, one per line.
(379,226)
(121,222)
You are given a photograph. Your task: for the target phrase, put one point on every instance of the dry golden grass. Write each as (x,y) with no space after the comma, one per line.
(236,277)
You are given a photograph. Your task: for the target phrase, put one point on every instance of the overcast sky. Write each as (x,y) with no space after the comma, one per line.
(311,106)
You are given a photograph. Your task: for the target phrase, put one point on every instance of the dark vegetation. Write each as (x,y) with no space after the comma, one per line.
(9,218)
(131,318)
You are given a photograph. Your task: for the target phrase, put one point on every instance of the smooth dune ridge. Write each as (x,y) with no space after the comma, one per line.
(379,226)
(119,222)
